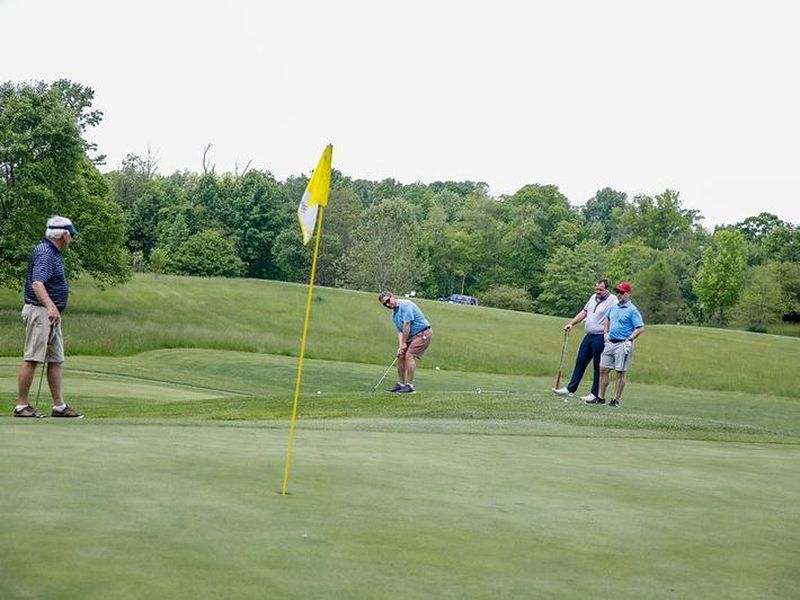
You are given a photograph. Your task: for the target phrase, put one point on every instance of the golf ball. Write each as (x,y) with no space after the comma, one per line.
(437,367)
(319,392)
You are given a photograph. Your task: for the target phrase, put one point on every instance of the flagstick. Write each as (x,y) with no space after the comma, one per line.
(302,352)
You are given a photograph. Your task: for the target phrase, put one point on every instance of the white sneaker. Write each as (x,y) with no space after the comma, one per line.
(588,397)
(562,392)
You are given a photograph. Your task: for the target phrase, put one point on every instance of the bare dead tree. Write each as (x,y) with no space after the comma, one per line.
(150,162)
(207,168)
(246,168)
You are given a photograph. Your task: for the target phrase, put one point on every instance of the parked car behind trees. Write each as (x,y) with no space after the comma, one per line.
(460,299)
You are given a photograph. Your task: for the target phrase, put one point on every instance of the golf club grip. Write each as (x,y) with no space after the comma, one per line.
(558,380)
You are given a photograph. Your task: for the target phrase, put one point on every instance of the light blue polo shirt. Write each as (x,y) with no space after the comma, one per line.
(623,319)
(408,312)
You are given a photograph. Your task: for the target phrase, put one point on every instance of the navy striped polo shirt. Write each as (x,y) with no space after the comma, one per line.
(47,266)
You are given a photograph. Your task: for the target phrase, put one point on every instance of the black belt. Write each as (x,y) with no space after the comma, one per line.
(613,341)
(420,331)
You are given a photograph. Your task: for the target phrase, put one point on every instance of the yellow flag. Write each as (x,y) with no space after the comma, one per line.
(316,194)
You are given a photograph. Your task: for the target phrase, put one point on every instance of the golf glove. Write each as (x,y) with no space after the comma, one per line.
(627,346)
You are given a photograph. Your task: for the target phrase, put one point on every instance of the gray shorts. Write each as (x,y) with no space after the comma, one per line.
(614,357)
(42,342)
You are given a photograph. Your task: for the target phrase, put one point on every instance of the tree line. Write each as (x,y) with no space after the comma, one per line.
(531,251)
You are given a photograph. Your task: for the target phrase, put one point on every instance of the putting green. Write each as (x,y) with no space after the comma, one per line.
(179,509)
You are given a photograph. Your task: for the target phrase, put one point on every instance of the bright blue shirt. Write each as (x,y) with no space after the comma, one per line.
(408,312)
(47,266)
(623,319)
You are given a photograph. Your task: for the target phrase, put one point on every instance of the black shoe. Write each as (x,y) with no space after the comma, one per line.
(596,401)
(407,389)
(398,387)
(614,404)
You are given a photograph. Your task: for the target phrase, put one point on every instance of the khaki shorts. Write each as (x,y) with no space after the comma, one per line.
(419,343)
(42,342)
(614,357)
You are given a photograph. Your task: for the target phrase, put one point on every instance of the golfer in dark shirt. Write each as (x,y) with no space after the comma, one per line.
(46,296)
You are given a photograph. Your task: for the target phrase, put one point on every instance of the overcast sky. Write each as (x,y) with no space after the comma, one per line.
(699,97)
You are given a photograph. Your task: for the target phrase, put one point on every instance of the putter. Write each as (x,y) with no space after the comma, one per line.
(561,364)
(39,391)
(389,368)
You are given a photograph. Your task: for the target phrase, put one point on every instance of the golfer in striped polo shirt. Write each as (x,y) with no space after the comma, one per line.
(46,295)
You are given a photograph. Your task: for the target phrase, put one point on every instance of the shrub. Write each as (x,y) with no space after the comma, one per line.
(207,254)
(508,297)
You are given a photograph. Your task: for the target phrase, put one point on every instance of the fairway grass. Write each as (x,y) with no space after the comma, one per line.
(187,509)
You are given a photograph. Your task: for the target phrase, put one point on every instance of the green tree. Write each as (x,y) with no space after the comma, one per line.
(292,259)
(461,245)
(146,218)
(100,245)
(762,301)
(128,183)
(258,210)
(628,259)
(537,220)
(342,216)
(755,230)
(659,222)
(721,273)
(758,227)
(207,254)
(384,251)
(44,170)
(159,259)
(788,275)
(601,210)
(658,296)
(782,244)
(569,278)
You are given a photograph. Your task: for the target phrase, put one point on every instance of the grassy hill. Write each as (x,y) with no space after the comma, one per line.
(266,317)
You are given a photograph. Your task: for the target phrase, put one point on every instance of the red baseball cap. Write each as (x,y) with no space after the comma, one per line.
(623,286)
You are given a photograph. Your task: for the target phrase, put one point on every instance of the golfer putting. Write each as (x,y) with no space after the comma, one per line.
(414,335)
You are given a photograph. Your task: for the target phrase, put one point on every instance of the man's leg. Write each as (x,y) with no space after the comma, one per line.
(401,368)
(581,362)
(54,381)
(411,367)
(620,384)
(603,381)
(24,380)
(597,349)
